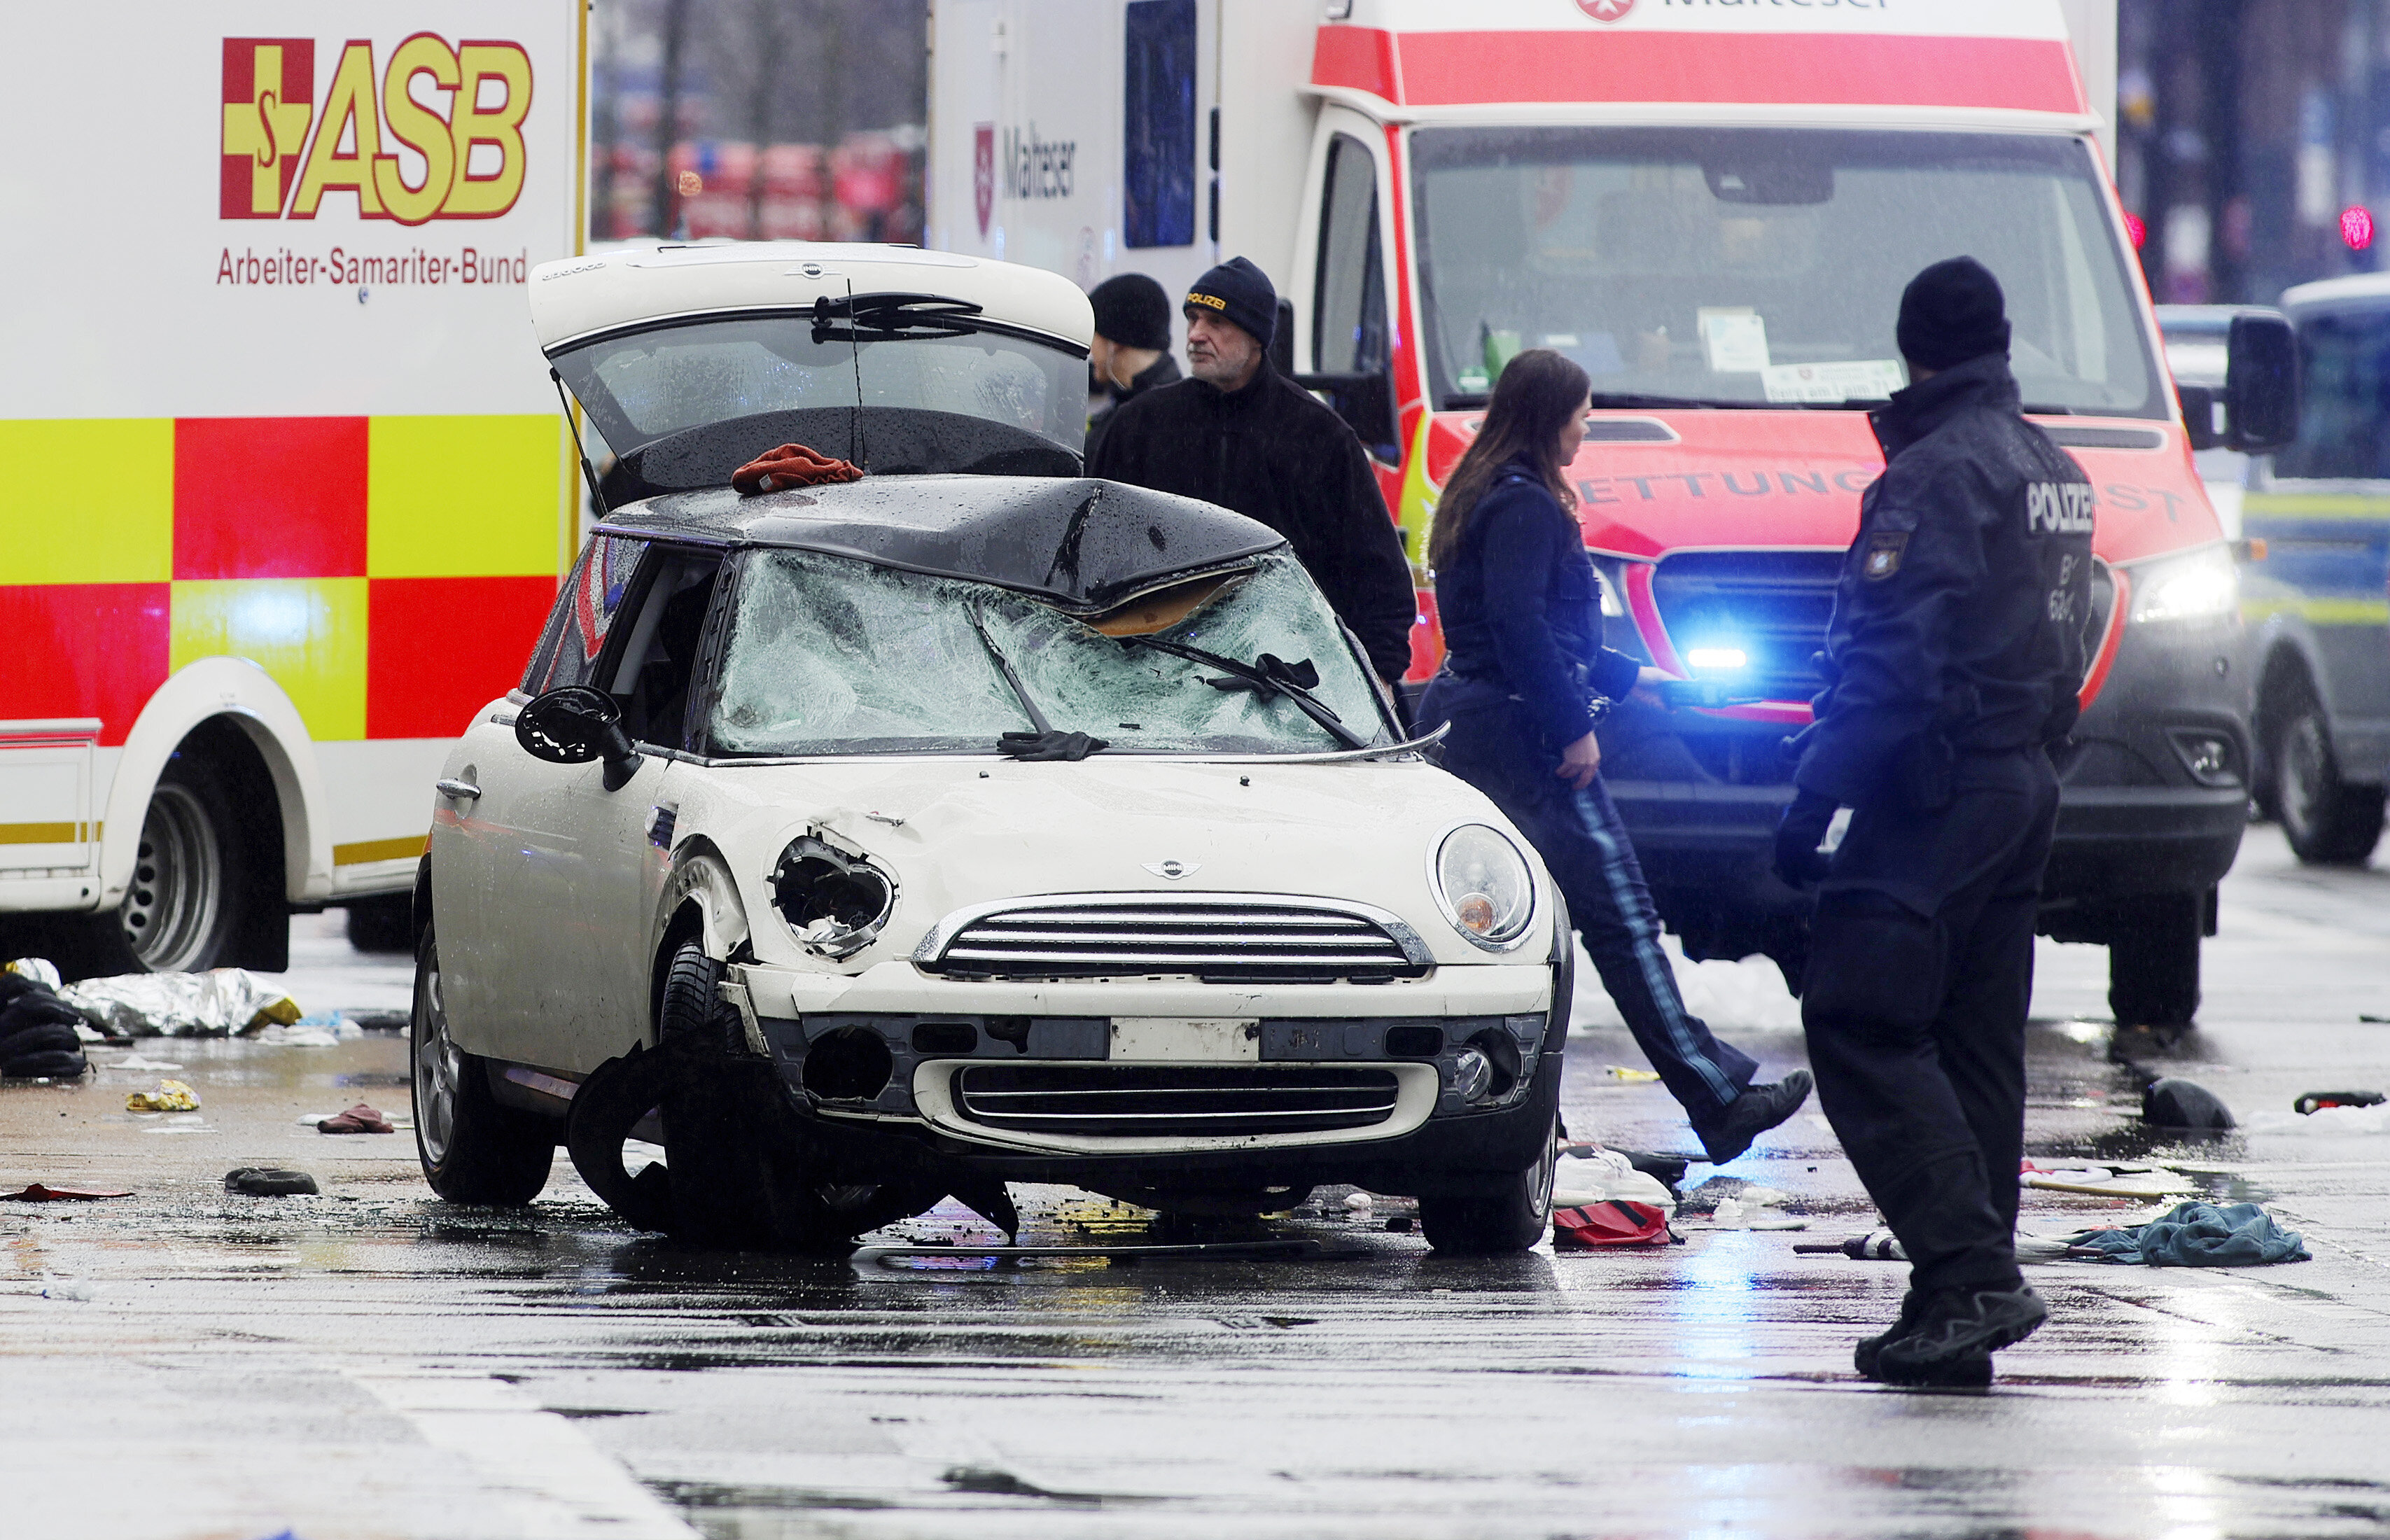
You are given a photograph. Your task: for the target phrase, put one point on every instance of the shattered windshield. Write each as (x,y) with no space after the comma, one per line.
(831,656)
(1746,268)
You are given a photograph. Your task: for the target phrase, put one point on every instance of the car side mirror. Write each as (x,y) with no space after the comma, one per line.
(2261,384)
(2203,415)
(575,724)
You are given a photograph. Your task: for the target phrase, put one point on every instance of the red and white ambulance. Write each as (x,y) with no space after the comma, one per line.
(1713,206)
(288,494)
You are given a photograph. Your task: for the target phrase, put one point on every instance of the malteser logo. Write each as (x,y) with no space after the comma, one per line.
(472,158)
(1606,10)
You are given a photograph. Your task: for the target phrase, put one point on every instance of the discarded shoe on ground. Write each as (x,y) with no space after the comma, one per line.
(360,1119)
(270,1182)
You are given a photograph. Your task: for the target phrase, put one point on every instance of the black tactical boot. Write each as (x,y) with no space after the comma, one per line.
(1956,1334)
(1759,1108)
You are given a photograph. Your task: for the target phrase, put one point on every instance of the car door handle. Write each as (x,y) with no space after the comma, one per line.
(461,791)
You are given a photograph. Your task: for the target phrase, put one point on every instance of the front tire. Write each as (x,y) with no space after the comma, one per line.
(2328,821)
(2153,961)
(1506,1215)
(473,1149)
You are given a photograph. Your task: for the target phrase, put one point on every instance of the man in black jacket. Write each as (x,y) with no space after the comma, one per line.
(1957,648)
(1244,436)
(1131,352)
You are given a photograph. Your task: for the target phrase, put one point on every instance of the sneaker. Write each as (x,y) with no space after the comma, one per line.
(1759,1108)
(1957,1332)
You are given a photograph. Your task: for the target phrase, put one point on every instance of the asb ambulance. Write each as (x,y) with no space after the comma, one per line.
(1713,206)
(288,495)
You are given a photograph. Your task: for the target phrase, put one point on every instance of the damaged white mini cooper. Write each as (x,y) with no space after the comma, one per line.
(972,822)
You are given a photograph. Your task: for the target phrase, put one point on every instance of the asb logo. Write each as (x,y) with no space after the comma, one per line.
(283,150)
(1606,10)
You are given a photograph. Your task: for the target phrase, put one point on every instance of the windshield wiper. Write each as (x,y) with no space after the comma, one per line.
(1270,676)
(1045,743)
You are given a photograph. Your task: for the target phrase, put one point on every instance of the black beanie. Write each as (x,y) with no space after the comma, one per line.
(1950,312)
(1241,292)
(1132,311)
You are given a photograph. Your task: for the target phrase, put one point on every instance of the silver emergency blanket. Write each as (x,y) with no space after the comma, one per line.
(218,1003)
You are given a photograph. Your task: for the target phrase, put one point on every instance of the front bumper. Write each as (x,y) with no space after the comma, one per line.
(1201,1112)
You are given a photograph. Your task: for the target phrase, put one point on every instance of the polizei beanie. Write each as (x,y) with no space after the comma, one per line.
(1132,310)
(1952,312)
(1241,292)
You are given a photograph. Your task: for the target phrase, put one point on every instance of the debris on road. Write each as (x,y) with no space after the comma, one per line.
(38,1192)
(1632,1077)
(221,1001)
(360,1119)
(1609,1175)
(2184,1104)
(2196,1235)
(2107,1181)
(1874,1246)
(172,1095)
(270,1182)
(135,1061)
(2315,1101)
(1594,1226)
(37,1028)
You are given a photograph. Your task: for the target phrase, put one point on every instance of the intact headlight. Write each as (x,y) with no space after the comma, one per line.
(2190,588)
(1484,886)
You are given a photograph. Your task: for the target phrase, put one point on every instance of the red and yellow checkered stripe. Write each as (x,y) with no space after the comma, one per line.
(391,574)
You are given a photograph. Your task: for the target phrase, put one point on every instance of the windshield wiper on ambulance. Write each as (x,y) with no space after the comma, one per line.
(1044,743)
(1269,677)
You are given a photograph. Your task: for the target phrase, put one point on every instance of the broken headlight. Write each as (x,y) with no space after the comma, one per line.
(836,903)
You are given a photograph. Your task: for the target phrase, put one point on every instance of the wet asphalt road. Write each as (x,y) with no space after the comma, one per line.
(372,1362)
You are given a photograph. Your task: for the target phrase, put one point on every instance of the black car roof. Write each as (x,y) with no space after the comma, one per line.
(1080,544)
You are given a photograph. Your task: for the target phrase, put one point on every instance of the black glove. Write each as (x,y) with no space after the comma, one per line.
(1798,835)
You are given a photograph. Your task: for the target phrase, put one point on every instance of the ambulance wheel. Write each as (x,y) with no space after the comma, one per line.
(182,908)
(473,1149)
(2153,961)
(2328,821)
(1508,1213)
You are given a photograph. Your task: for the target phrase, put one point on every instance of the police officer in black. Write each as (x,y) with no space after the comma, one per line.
(1958,643)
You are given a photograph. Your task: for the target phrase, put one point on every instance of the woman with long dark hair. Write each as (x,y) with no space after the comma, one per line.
(1521,609)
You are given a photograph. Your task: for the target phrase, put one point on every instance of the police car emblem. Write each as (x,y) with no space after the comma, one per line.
(1884,555)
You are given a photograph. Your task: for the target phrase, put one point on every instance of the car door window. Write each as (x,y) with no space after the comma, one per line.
(652,674)
(1349,334)
(583,616)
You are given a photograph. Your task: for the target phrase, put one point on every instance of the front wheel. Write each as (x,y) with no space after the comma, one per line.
(1506,1214)
(473,1149)
(2328,821)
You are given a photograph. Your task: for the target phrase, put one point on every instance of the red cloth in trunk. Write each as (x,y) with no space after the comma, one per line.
(792,465)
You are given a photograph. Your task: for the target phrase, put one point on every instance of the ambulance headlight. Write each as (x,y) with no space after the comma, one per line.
(2198,587)
(1484,886)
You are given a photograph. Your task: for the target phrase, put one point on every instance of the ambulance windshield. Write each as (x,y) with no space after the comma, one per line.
(1752,268)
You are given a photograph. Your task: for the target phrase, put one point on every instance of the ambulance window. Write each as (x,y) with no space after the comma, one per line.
(584,613)
(1348,333)
(1158,157)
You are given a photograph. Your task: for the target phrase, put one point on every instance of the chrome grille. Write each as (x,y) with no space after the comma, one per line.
(1230,939)
(1163,1100)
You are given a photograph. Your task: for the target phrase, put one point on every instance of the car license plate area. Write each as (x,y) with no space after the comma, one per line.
(1186,1039)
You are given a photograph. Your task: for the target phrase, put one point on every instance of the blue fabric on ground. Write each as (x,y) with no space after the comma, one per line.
(2199,1235)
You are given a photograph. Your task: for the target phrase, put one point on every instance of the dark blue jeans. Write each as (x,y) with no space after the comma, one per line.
(1495,748)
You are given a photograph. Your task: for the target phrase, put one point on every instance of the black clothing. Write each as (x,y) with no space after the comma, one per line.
(1522,611)
(1273,453)
(1132,310)
(1955,650)
(1496,746)
(1241,292)
(1961,611)
(1952,312)
(1915,1022)
(1161,371)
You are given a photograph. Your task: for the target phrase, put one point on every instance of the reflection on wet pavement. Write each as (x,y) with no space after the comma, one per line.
(190,1361)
